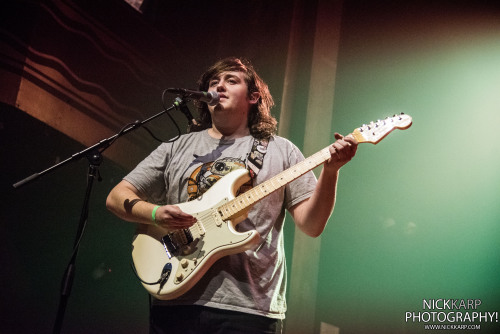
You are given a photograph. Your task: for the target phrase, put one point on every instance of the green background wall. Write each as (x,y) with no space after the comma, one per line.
(418,214)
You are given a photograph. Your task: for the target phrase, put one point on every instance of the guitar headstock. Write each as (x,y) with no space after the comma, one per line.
(376,131)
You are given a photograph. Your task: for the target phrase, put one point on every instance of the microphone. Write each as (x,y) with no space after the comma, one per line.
(210,98)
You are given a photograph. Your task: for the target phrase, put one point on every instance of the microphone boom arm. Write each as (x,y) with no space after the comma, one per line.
(99,147)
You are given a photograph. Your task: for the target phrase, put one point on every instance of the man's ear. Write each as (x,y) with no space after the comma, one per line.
(254,97)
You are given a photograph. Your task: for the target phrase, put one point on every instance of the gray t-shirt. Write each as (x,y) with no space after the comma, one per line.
(253,281)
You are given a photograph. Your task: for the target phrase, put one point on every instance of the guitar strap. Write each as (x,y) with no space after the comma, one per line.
(255,159)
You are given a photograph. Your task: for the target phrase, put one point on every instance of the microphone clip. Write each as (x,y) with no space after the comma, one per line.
(180,104)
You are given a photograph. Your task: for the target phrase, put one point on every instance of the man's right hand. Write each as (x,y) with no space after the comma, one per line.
(172,217)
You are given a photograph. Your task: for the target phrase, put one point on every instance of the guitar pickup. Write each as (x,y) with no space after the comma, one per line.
(186,236)
(201,229)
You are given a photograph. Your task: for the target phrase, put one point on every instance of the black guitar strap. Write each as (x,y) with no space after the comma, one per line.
(255,159)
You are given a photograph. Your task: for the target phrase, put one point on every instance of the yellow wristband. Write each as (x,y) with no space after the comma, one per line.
(153,214)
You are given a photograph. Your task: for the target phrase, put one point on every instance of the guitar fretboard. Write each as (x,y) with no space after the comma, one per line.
(244,201)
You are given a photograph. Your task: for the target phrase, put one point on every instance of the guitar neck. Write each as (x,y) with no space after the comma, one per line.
(246,200)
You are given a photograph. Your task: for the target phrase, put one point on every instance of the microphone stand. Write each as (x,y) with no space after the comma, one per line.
(94,157)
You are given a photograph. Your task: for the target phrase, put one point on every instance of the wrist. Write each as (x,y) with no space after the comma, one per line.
(153,214)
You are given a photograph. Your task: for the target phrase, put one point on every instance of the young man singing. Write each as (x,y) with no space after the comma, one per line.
(244,292)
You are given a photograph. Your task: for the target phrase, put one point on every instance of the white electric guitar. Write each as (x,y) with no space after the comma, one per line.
(170,263)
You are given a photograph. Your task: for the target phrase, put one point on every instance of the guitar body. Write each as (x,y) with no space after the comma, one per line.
(182,257)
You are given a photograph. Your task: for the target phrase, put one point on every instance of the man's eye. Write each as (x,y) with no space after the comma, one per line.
(212,83)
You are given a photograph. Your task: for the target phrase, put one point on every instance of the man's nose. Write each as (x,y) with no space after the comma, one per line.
(221,86)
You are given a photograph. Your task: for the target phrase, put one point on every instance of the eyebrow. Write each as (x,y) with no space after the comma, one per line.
(226,76)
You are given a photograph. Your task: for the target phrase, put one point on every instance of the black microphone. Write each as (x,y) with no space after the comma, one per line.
(210,98)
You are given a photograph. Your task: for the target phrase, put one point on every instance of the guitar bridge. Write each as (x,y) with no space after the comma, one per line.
(173,241)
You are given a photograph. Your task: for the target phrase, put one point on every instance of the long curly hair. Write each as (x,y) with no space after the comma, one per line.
(260,121)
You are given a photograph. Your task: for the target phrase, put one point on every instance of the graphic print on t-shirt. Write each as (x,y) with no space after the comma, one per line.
(208,173)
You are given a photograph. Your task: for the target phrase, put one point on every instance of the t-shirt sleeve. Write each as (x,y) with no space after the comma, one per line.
(149,175)
(301,188)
